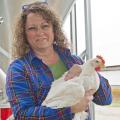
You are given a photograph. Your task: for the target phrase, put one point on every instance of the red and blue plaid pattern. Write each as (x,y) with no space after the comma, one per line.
(29,81)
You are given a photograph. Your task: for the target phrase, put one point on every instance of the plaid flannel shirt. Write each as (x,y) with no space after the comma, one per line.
(29,81)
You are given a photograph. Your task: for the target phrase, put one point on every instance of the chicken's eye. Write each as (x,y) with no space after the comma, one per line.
(97,61)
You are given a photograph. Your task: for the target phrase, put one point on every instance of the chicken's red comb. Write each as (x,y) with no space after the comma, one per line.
(101,58)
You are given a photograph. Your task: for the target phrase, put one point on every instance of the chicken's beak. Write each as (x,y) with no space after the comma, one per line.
(100,67)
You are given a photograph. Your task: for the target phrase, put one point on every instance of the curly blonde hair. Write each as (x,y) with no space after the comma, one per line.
(20,44)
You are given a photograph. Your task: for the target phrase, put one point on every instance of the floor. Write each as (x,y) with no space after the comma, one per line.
(107,113)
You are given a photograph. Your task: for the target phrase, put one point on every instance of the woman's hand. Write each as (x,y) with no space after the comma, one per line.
(74,71)
(84,102)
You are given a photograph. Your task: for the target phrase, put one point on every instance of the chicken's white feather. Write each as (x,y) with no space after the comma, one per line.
(67,93)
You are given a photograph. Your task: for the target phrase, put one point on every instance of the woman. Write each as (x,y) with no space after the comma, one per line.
(42,56)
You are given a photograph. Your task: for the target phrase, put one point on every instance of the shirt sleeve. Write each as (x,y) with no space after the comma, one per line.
(103,96)
(22,100)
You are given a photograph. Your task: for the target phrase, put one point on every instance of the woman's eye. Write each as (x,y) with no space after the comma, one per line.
(45,26)
(32,28)
(97,61)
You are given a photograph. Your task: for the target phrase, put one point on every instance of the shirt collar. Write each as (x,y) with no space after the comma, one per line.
(31,55)
(62,52)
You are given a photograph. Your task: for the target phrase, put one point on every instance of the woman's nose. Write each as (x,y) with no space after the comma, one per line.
(40,31)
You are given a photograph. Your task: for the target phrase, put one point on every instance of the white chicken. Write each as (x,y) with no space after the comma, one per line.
(67,93)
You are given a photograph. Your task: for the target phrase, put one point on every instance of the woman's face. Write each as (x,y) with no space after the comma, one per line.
(39,32)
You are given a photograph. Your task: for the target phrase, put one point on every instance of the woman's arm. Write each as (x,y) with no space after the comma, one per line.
(22,100)
(103,96)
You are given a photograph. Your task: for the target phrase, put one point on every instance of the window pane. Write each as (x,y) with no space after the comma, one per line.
(80,26)
(106,30)
(66,27)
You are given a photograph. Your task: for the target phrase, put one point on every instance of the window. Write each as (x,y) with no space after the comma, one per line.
(106,30)
(76,16)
